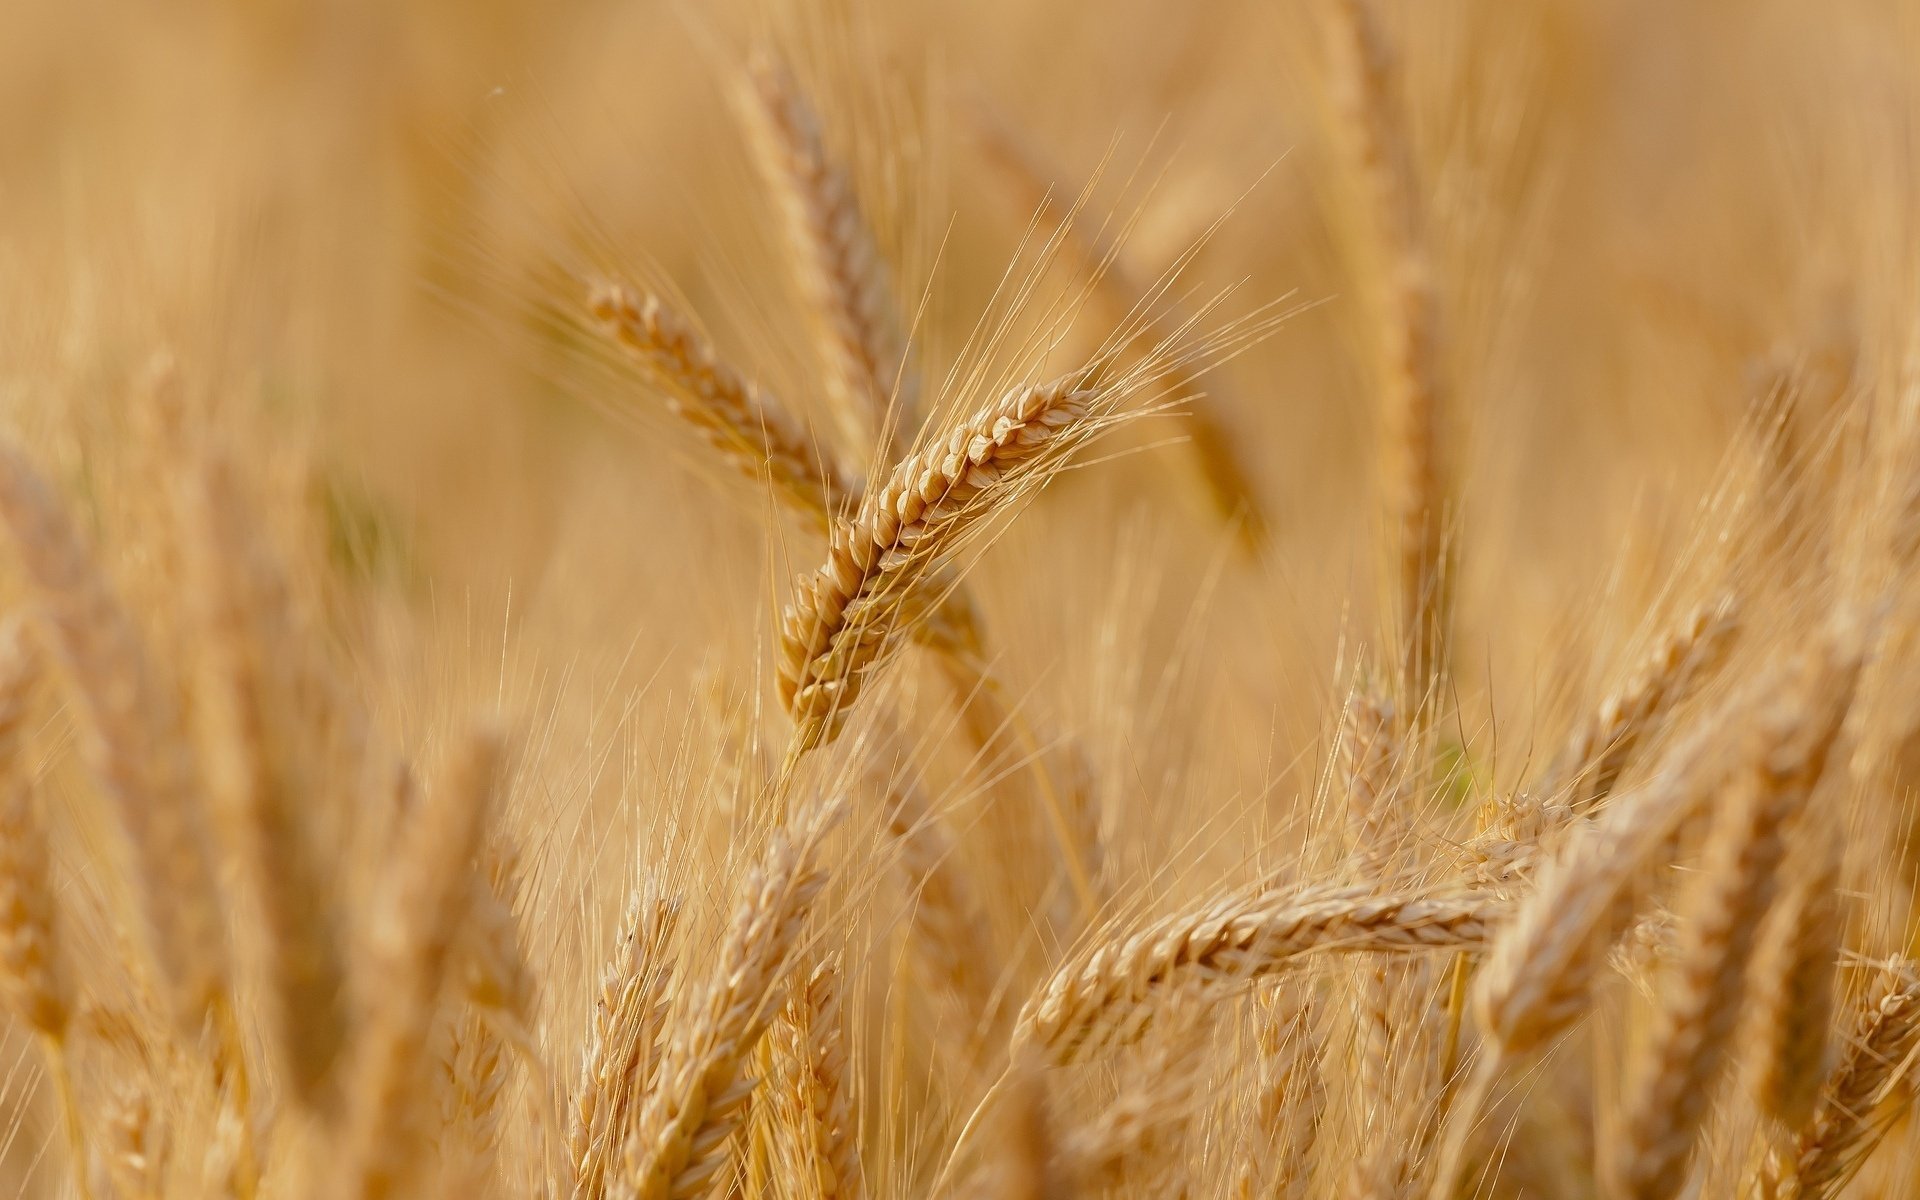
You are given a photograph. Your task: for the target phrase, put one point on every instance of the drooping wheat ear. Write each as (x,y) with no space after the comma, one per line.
(628,1015)
(1605,743)
(262,777)
(1219,468)
(133,737)
(1289,1101)
(817,1083)
(1377,829)
(1671,1088)
(1793,980)
(34,985)
(1415,399)
(679,1144)
(749,427)
(1104,995)
(843,617)
(413,948)
(1860,1099)
(838,267)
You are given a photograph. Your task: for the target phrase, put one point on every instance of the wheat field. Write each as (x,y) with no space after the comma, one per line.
(621,600)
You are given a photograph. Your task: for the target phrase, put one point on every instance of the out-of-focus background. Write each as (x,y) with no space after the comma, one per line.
(363,225)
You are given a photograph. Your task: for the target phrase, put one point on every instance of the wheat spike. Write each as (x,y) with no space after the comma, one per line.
(679,1144)
(750,428)
(415,943)
(840,271)
(1793,980)
(843,616)
(1700,1005)
(1855,1106)
(1415,401)
(262,776)
(816,1083)
(35,986)
(134,743)
(1102,995)
(1605,743)
(628,1015)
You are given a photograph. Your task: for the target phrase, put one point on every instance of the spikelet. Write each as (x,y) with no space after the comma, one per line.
(679,1144)
(1104,994)
(749,428)
(1676,1072)
(414,948)
(816,1084)
(839,269)
(1855,1106)
(1605,743)
(843,616)
(1415,401)
(262,775)
(628,1015)
(135,745)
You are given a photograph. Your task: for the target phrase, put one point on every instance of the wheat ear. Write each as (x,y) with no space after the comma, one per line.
(628,1016)
(817,1084)
(1676,1072)
(1605,743)
(1104,994)
(679,1144)
(844,615)
(414,948)
(264,789)
(750,428)
(1289,1102)
(838,267)
(947,936)
(133,738)
(1415,401)
(1793,979)
(1859,1100)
